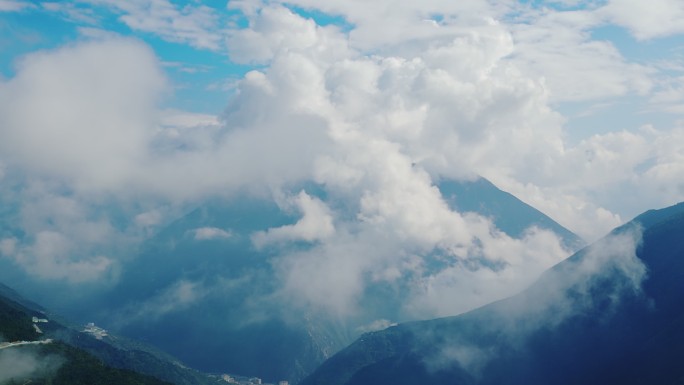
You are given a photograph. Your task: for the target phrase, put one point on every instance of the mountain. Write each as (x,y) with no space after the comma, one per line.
(613,313)
(70,356)
(29,356)
(509,214)
(227,325)
(203,292)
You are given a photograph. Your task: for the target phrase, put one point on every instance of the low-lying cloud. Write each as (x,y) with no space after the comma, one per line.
(604,274)
(18,364)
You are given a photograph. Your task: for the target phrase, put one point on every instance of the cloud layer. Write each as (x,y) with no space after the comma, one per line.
(374,111)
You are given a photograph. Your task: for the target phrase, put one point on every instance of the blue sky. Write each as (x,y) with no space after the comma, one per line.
(197,74)
(203,78)
(149,108)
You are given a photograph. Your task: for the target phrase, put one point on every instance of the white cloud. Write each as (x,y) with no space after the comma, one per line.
(205,233)
(567,290)
(277,30)
(17,365)
(591,70)
(374,116)
(196,25)
(609,271)
(49,258)
(386,24)
(184,119)
(511,266)
(72,12)
(669,96)
(376,325)
(178,296)
(14,6)
(8,246)
(584,186)
(466,103)
(646,20)
(63,237)
(316,224)
(82,112)
(330,278)
(577,212)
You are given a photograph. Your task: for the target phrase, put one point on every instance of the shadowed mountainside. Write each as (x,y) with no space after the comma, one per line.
(237,331)
(78,357)
(611,313)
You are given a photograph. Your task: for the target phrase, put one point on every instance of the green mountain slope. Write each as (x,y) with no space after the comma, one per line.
(51,363)
(80,358)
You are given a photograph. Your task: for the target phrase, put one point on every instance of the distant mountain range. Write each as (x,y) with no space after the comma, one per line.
(613,313)
(232,330)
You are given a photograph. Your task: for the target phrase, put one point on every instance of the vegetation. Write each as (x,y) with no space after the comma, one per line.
(72,366)
(15,324)
(80,368)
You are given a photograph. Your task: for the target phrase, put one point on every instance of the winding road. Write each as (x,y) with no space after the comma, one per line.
(5,345)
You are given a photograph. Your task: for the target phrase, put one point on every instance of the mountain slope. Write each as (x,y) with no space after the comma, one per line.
(612,313)
(202,291)
(225,329)
(81,358)
(52,362)
(510,214)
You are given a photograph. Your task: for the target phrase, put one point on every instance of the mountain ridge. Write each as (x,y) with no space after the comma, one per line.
(231,257)
(591,343)
(87,352)
(237,331)
(483,197)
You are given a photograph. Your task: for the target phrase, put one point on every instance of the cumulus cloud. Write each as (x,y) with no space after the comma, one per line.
(475,263)
(602,167)
(61,237)
(81,112)
(316,223)
(401,118)
(374,113)
(383,23)
(49,257)
(276,30)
